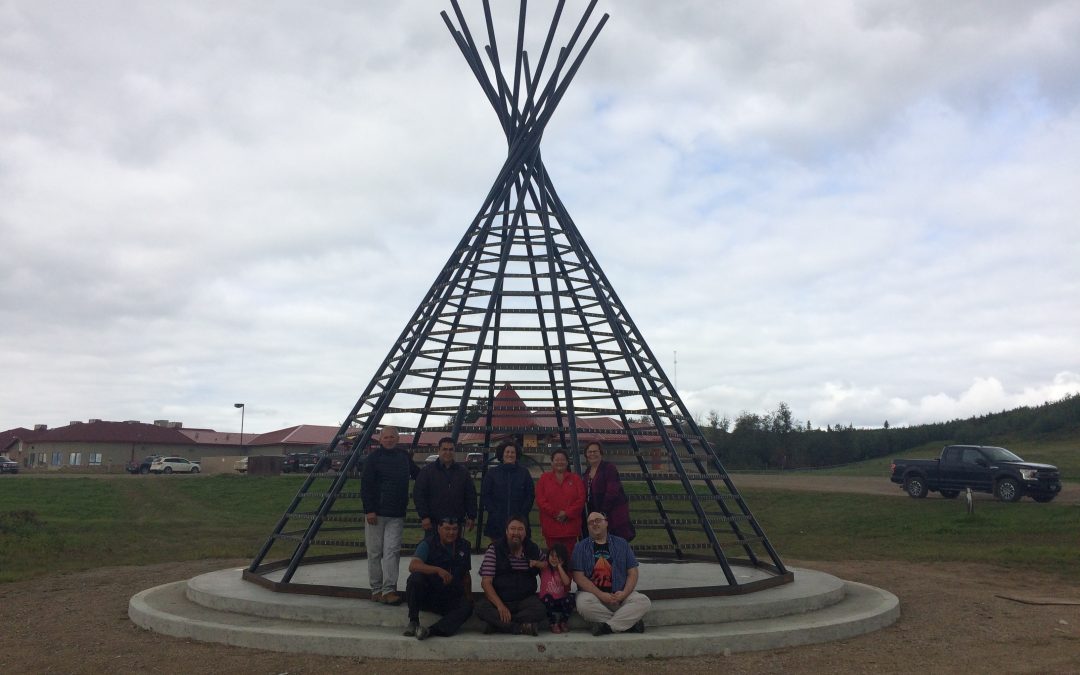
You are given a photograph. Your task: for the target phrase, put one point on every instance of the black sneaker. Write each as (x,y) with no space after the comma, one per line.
(599,629)
(411,630)
(422,633)
(489,629)
(638,627)
(528,629)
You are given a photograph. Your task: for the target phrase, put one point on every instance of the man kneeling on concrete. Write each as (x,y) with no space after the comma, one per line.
(439,581)
(606,573)
(508,577)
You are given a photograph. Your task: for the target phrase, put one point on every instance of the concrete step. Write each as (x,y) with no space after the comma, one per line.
(225,590)
(167,609)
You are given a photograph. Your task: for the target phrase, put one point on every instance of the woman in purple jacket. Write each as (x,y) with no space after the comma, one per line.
(604,493)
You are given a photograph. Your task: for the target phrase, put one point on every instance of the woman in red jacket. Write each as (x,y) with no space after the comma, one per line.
(560,495)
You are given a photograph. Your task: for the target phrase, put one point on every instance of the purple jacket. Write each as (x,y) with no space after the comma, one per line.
(605,493)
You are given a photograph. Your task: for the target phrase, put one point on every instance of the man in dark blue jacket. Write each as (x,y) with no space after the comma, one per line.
(444,489)
(384,489)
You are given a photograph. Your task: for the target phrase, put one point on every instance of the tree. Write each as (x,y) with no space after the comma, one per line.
(473,413)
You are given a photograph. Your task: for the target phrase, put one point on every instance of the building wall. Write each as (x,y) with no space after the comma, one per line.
(105,457)
(15,453)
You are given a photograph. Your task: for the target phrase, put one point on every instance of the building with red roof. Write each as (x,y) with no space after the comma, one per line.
(109,446)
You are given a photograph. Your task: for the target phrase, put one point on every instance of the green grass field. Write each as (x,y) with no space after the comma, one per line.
(52,525)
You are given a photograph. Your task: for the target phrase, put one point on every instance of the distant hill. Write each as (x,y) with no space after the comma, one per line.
(776,440)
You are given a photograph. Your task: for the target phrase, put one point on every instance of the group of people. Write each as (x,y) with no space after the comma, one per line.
(584,520)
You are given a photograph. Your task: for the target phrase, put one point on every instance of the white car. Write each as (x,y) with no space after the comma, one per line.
(174,465)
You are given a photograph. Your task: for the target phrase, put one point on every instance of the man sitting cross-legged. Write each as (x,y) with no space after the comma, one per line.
(439,581)
(606,573)
(508,577)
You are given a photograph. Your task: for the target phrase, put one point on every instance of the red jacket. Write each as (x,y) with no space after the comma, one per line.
(552,498)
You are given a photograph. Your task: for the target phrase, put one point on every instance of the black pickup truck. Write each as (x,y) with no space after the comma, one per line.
(982,468)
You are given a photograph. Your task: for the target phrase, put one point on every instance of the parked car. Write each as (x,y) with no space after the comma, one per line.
(431,459)
(474,462)
(174,465)
(143,466)
(301,462)
(241,465)
(8,465)
(979,467)
(338,459)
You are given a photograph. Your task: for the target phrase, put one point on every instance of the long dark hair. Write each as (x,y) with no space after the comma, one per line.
(560,550)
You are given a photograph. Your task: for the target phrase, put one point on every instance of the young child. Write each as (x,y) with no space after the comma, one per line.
(555,589)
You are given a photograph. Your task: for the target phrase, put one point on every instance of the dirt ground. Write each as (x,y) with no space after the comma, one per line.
(952,619)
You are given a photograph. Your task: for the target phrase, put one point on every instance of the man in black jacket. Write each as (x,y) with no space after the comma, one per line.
(444,489)
(384,489)
(508,577)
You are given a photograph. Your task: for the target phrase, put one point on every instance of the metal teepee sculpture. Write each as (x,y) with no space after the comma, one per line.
(523,335)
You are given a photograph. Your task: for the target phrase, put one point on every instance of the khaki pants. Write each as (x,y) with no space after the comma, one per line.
(619,617)
(383,541)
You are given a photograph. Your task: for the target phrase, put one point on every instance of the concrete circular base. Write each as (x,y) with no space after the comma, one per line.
(222,607)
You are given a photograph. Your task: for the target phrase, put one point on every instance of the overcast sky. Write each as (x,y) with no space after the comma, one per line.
(868,210)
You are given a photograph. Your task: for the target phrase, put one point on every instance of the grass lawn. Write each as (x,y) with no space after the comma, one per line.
(61,524)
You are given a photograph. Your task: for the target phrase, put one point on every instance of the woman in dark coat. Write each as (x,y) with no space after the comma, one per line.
(604,493)
(507,491)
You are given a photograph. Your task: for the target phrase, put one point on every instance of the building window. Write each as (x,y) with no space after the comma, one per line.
(57,458)
(95,458)
(74,459)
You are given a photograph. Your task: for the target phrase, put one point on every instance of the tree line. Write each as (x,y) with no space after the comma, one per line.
(777,440)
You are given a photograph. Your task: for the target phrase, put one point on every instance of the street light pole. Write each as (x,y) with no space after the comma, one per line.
(242,409)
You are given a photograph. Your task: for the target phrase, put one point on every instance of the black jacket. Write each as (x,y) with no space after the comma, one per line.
(384,486)
(507,491)
(440,492)
(512,585)
(456,559)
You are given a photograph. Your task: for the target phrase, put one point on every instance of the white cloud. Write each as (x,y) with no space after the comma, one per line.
(863,209)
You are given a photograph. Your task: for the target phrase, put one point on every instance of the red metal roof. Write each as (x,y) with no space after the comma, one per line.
(211,437)
(301,434)
(11,436)
(512,415)
(114,432)
(509,410)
